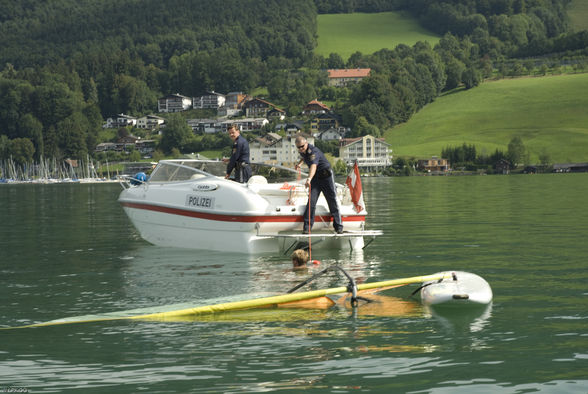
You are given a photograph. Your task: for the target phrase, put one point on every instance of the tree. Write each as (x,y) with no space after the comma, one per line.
(340,167)
(122,132)
(545,158)
(454,70)
(21,150)
(31,128)
(335,61)
(132,95)
(134,155)
(516,151)
(4,147)
(471,77)
(176,134)
(72,136)
(54,102)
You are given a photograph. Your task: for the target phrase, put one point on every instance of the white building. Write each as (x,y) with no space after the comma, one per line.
(275,149)
(150,122)
(248,124)
(205,126)
(210,100)
(210,126)
(120,120)
(344,77)
(368,150)
(227,112)
(174,103)
(332,134)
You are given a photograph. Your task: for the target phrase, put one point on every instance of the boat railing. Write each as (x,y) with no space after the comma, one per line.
(187,170)
(128,181)
(183,170)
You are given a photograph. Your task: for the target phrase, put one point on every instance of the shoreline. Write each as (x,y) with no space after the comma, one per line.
(57,181)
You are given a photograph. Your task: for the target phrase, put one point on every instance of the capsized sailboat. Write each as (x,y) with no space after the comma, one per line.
(314,299)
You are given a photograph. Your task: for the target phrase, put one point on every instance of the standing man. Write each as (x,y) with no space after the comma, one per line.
(320,179)
(239,157)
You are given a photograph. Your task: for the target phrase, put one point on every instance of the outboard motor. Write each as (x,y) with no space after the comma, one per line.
(139,178)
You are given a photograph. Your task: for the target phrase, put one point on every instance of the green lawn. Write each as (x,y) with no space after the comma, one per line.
(578,13)
(347,33)
(550,114)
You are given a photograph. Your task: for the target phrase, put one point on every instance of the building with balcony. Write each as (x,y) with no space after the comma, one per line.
(174,103)
(369,152)
(275,149)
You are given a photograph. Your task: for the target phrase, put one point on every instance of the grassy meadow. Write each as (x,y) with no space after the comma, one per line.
(367,33)
(550,114)
(578,13)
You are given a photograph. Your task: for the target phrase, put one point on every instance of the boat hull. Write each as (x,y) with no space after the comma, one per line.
(216,214)
(458,288)
(237,234)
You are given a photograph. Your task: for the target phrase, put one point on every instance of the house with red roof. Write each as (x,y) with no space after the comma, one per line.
(315,107)
(345,76)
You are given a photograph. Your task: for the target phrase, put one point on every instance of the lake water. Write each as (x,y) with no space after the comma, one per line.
(68,250)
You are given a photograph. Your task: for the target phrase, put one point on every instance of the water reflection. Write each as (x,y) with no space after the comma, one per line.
(167,275)
(464,325)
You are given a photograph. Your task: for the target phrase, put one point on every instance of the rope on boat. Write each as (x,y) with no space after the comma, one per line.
(453,276)
(309,224)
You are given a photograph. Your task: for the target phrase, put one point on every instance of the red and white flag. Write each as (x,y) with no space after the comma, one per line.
(354,183)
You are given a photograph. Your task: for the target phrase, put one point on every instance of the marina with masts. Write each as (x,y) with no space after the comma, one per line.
(48,171)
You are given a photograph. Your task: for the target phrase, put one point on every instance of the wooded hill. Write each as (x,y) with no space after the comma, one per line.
(67,65)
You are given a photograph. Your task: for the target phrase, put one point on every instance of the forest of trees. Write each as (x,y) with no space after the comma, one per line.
(67,65)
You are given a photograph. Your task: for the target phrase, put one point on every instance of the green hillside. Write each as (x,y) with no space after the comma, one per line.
(578,13)
(347,33)
(549,114)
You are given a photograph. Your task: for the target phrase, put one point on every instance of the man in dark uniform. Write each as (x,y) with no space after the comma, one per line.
(320,179)
(239,157)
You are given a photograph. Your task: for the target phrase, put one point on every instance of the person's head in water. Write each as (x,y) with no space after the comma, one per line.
(299,258)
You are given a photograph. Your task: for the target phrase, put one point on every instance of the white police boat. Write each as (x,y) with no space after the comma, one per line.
(189,204)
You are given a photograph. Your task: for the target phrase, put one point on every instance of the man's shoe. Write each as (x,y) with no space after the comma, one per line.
(340,231)
(304,231)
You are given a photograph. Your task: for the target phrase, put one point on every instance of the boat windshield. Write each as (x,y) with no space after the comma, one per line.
(185,170)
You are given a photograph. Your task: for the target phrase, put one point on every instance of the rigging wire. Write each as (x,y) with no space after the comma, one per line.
(351,286)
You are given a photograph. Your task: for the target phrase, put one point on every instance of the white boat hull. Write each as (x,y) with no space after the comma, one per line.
(459,288)
(163,230)
(212,213)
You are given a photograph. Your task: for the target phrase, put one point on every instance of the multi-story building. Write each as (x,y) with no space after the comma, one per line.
(324,122)
(434,164)
(234,100)
(346,76)
(205,126)
(150,122)
(332,134)
(174,103)
(315,107)
(247,124)
(257,107)
(120,120)
(210,126)
(210,100)
(275,149)
(368,151)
